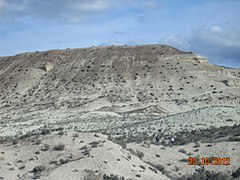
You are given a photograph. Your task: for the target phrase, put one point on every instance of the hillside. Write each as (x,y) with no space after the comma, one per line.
(116,79)
(129,93)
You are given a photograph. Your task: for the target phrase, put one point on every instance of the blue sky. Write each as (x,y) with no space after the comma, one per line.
(208,27)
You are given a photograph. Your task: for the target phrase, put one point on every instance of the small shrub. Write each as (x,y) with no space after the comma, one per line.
(182,151)
(161,168)
(152,169)
(229,120)
(181,141)
(63,161)
(236,174)
(90,175)
(183,160)
(45,131)
(37,170)
(112,177)
(196,145)
(83,148)
(137,175)
(177,168)
(139,154)
(209,145)
(38,141)
(59,147)
(75,135)
(94,144)
(60,133)
(44,147)
(14,141)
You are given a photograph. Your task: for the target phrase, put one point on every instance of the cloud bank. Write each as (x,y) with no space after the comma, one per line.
(70,10)
(221,46)
(67,10)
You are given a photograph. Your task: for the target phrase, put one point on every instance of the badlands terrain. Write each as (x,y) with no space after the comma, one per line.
(93,113)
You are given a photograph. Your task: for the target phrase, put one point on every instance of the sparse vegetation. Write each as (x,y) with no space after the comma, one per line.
(137,153)
(113,177)
(202,174)
(90,175)
(37,171)
(159,167)
(94,144)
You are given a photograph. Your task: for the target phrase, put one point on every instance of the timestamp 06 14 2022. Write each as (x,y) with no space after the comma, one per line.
(225,161)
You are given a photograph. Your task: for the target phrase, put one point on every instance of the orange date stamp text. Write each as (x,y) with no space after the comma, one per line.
(225,161)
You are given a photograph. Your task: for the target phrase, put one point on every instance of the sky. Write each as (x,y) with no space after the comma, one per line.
(210,28)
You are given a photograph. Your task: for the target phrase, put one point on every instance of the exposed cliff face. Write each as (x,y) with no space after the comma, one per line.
(115,79)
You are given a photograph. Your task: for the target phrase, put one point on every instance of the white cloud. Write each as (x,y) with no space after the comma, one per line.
(90,7)
(228,38)
(71,10)
(215,29)
(222,46)
(68,10)
(2,4)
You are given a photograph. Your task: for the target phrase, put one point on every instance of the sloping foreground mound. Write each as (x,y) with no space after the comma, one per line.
(71,156)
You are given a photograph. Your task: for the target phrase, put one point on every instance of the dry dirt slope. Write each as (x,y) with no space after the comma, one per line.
(115,79)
